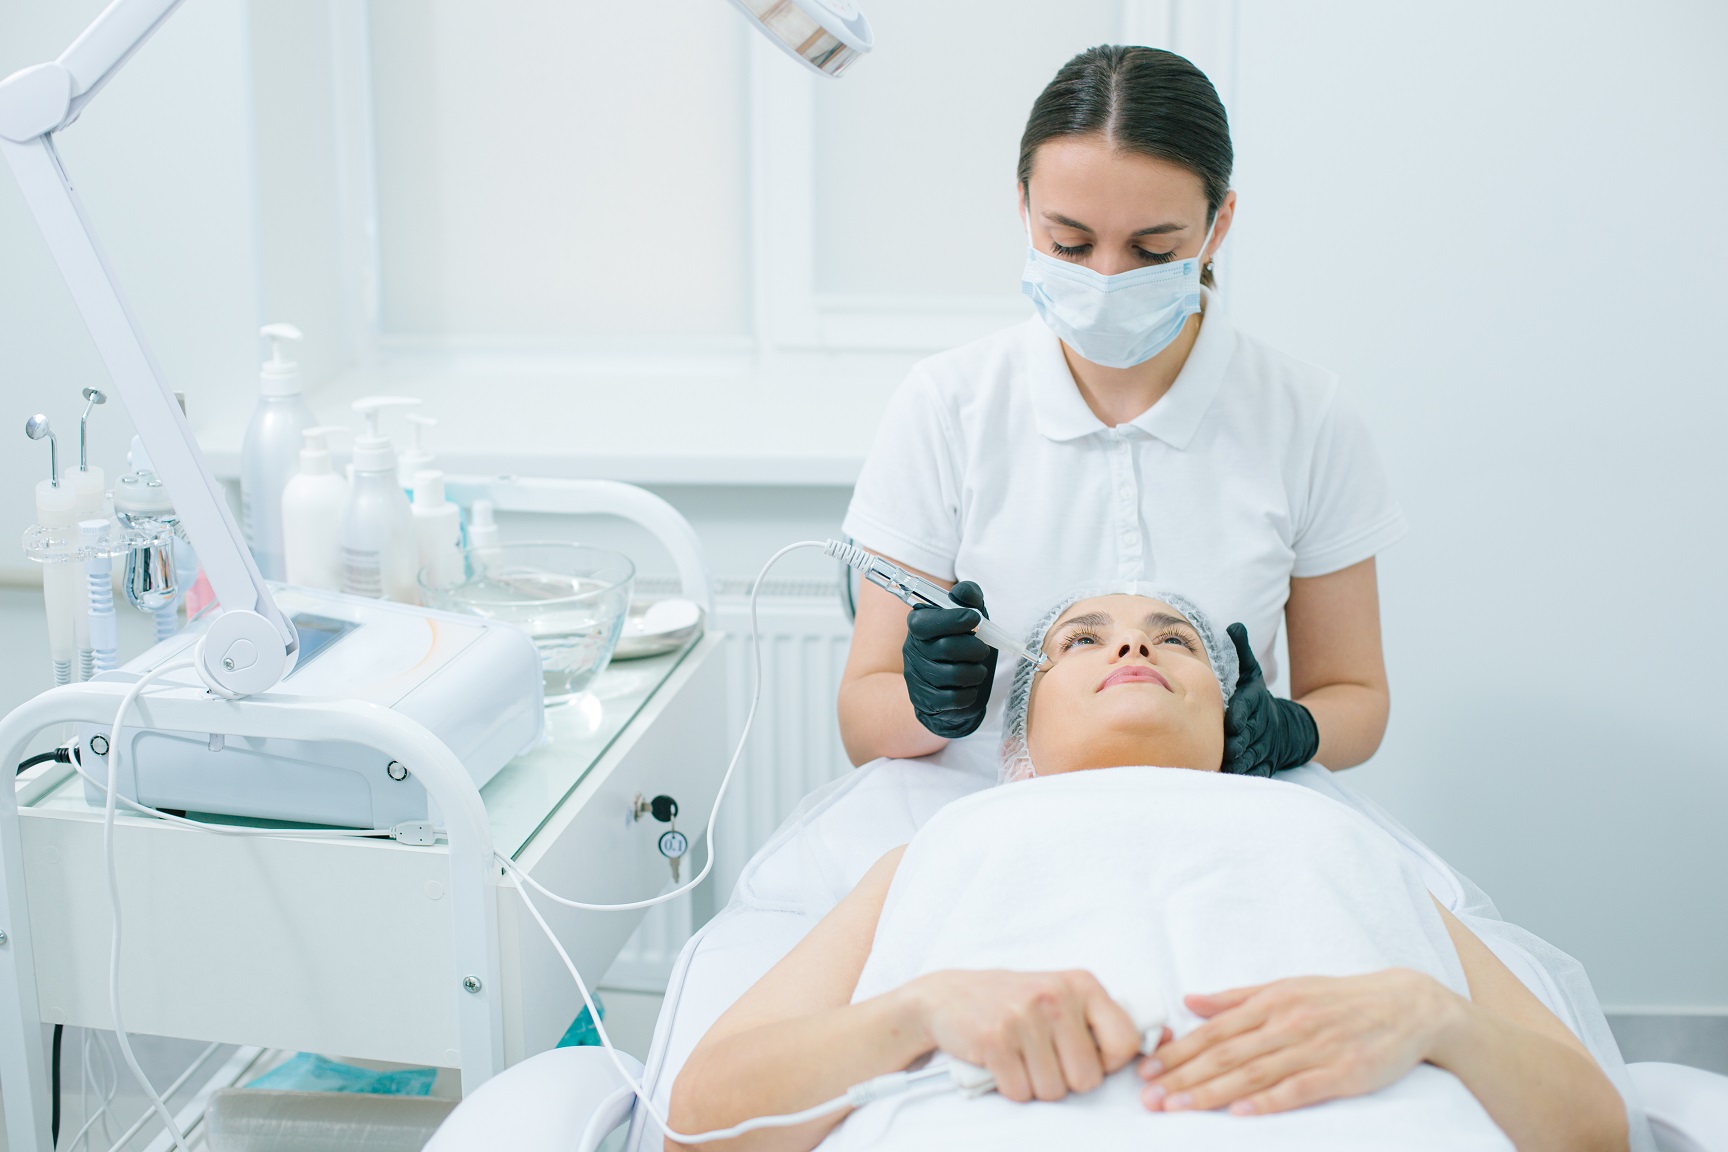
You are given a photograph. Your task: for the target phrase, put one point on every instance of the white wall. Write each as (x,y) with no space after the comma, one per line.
(1500,223)
(163,163)
(703,269)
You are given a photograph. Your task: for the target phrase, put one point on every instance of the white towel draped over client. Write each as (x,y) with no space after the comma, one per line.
(1316,994)
(1162,882)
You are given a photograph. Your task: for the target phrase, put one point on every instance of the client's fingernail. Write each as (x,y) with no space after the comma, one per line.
(1153,1095)
(1242,1108)
(1178,1102)
(1150,1068)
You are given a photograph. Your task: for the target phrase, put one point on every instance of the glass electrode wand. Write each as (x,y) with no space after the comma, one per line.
(915,590)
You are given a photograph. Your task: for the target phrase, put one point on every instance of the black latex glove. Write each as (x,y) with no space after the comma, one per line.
(1263,734)
(948,669)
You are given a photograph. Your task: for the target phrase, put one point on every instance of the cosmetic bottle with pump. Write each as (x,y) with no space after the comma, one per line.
(380,557)
(414,459)
(313,505)
(271,451)
(438,530)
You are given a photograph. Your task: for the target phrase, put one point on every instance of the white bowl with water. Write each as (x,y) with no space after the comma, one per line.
(571,598)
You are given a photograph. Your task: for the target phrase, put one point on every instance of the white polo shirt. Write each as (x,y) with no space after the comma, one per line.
(989,466)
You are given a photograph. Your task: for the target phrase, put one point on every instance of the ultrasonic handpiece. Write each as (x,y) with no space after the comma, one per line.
(914,590)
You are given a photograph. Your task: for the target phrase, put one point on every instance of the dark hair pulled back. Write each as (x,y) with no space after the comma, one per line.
(1139,99)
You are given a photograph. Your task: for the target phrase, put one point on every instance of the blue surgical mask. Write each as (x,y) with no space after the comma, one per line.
(1116,321)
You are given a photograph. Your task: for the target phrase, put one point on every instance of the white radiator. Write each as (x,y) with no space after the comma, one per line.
(794,748)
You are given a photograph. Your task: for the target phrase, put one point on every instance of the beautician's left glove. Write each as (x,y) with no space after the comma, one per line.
(1263,733)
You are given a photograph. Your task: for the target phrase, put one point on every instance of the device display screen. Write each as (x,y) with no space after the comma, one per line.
(316,634)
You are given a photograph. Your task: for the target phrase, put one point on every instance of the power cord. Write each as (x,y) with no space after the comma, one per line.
(939,1077)
(54,1114)
(60,755)
(111,802)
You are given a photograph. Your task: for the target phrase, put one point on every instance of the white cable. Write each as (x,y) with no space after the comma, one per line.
(937,1078)
(714,813)
(880,1087)
(113,758)
(237,829)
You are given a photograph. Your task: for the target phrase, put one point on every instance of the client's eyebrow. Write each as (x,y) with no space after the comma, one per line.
(1087,620)
(1155,620)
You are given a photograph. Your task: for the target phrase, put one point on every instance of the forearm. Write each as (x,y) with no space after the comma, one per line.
(1351,720)
(876,719)
(791,1065)
(1545,1095)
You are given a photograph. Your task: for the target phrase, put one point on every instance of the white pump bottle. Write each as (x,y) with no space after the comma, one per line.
(380,555)
(414,459)
(271,451)
(313,505)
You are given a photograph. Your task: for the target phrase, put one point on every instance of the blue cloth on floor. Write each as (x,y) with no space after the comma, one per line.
(582,1031)
(306,1072)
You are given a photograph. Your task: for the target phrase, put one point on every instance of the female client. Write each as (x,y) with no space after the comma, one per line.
(1313,995)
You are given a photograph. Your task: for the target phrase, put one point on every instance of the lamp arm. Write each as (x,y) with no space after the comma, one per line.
(267,638)
(108,43)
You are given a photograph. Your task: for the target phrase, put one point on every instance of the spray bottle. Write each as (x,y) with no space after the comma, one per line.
(271,450)
(379,554)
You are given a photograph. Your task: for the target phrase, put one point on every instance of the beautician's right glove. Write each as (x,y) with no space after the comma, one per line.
(948,669)
(1263,733)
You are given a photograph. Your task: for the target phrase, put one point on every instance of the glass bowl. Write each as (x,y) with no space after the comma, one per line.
(572,599)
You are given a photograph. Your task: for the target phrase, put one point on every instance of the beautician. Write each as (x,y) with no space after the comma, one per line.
(1127,431)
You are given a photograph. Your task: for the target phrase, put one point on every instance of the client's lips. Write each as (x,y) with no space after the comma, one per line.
(1130,673)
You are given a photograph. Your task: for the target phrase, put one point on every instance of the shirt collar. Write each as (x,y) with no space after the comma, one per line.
(1062,413)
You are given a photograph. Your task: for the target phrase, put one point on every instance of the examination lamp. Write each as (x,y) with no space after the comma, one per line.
(251,644)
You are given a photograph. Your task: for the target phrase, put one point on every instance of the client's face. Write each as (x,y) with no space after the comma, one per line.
(1129,683)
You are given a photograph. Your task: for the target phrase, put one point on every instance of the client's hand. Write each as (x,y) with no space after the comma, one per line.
(1040,1034)
(1297,1042)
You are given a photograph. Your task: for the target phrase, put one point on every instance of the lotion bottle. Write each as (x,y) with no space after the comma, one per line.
(414,459)
(438,530)
(313,505)
(379,554)
(271,450)
(482,525)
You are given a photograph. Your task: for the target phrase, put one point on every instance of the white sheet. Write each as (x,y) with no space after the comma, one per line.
(1162,882)
(838,831)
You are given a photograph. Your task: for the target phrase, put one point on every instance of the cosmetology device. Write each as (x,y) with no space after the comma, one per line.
(471,683)
(912,589)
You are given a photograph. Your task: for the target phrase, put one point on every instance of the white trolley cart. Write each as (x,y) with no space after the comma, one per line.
(365,948)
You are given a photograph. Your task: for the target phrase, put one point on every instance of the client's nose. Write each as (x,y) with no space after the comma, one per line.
(1139,645)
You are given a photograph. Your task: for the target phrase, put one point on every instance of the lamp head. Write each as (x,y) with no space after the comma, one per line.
(825,36)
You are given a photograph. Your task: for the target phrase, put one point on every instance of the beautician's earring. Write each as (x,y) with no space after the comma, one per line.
(1209,265)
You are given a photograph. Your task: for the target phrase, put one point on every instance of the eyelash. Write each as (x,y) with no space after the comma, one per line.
(1079,634)
(1081,250)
